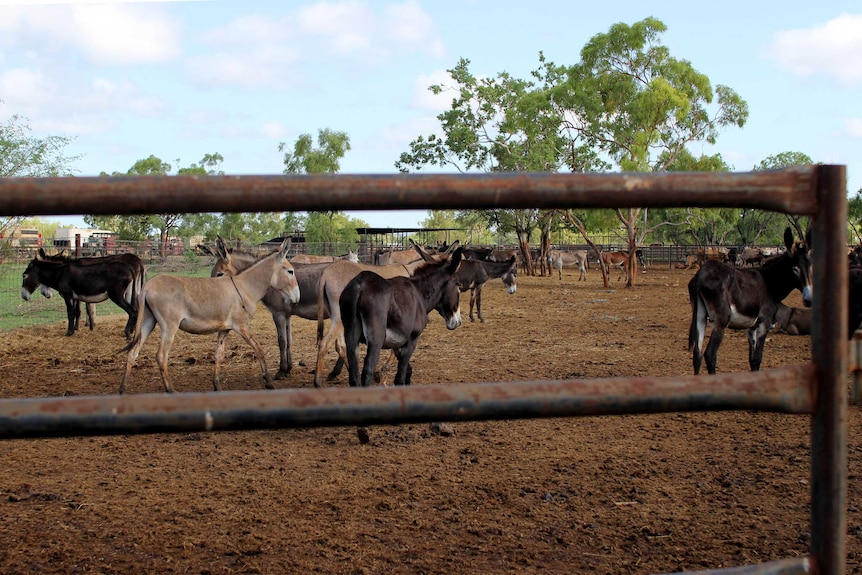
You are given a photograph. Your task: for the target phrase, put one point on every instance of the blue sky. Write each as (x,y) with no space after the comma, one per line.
(182,79)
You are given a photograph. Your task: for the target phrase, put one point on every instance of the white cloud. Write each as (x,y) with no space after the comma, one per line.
(78,2)
(853,127)
(346,26)
(253,51)
(125,34)
(260,51)
(273,130)
(832,49)
(71,105)
(25,90)
(353,27)
(424,99)
(409,25)
(103,33)
(395,139)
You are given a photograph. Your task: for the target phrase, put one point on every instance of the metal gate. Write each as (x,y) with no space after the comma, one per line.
(817,388)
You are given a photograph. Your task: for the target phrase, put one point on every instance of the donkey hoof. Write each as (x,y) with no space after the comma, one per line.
(282,374)
(268,384)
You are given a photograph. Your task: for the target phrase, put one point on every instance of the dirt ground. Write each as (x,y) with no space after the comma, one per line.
(629,494)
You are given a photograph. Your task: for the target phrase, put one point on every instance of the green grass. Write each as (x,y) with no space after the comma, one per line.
(15,312)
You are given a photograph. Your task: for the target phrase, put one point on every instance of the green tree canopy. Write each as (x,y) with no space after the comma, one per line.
(494,124)
(23,155)
(773,224)
(330,228)
(632,102)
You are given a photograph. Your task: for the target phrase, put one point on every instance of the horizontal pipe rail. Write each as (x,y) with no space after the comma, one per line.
(787,389)
(796,566)
(788,190)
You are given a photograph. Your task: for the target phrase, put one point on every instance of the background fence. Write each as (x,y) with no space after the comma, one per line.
(192,261)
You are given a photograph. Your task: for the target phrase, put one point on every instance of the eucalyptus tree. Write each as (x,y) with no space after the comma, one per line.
(494,124)
(23,155)
(305,158)
(771,223)
(636,105)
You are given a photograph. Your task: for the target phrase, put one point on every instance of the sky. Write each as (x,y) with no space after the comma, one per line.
(181,79)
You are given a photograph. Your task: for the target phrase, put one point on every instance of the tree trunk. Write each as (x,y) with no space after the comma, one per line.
(524,243)
(630,221)
(582,229)
(545,246)
(163,242)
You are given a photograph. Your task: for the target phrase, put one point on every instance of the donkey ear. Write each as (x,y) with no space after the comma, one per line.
(42,255)
(788,238)
(452,246)
(221,249)
(455,260)
(421,251)
(285,247)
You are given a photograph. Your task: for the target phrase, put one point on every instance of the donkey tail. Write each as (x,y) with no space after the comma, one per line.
(693,335)
(138,286)
(139,320)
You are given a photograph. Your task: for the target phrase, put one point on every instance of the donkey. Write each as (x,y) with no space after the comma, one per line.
(307,277)
(474,274)
(350,256)
(392,313)
(618,259)
(557,259)
(209,305)
(793,320)
(744,298)
(332,283)
(119,278)
(134,262)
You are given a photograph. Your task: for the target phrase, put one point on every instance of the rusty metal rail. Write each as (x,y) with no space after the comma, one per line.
(787,390)
(788,190)
(818,388)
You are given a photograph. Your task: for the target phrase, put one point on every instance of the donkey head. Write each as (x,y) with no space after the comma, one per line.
(30,280)
(284,277)
(449,303)
(223,265)
(800,254)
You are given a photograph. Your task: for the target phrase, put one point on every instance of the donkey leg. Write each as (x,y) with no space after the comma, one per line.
(715,339)
(340,349)
(382,375)
(246,334)
(352,344)
(473,302)
(479,304)
(282,331)
(73,311)
(372,356)
(756,341)
(91,316)
(404,372)
(324,344)
(148,322)
(221,339)
(162,354)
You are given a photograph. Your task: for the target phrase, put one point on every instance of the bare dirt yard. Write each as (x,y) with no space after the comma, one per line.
(629,494)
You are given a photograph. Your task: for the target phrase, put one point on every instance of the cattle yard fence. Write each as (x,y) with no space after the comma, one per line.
(817,388)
